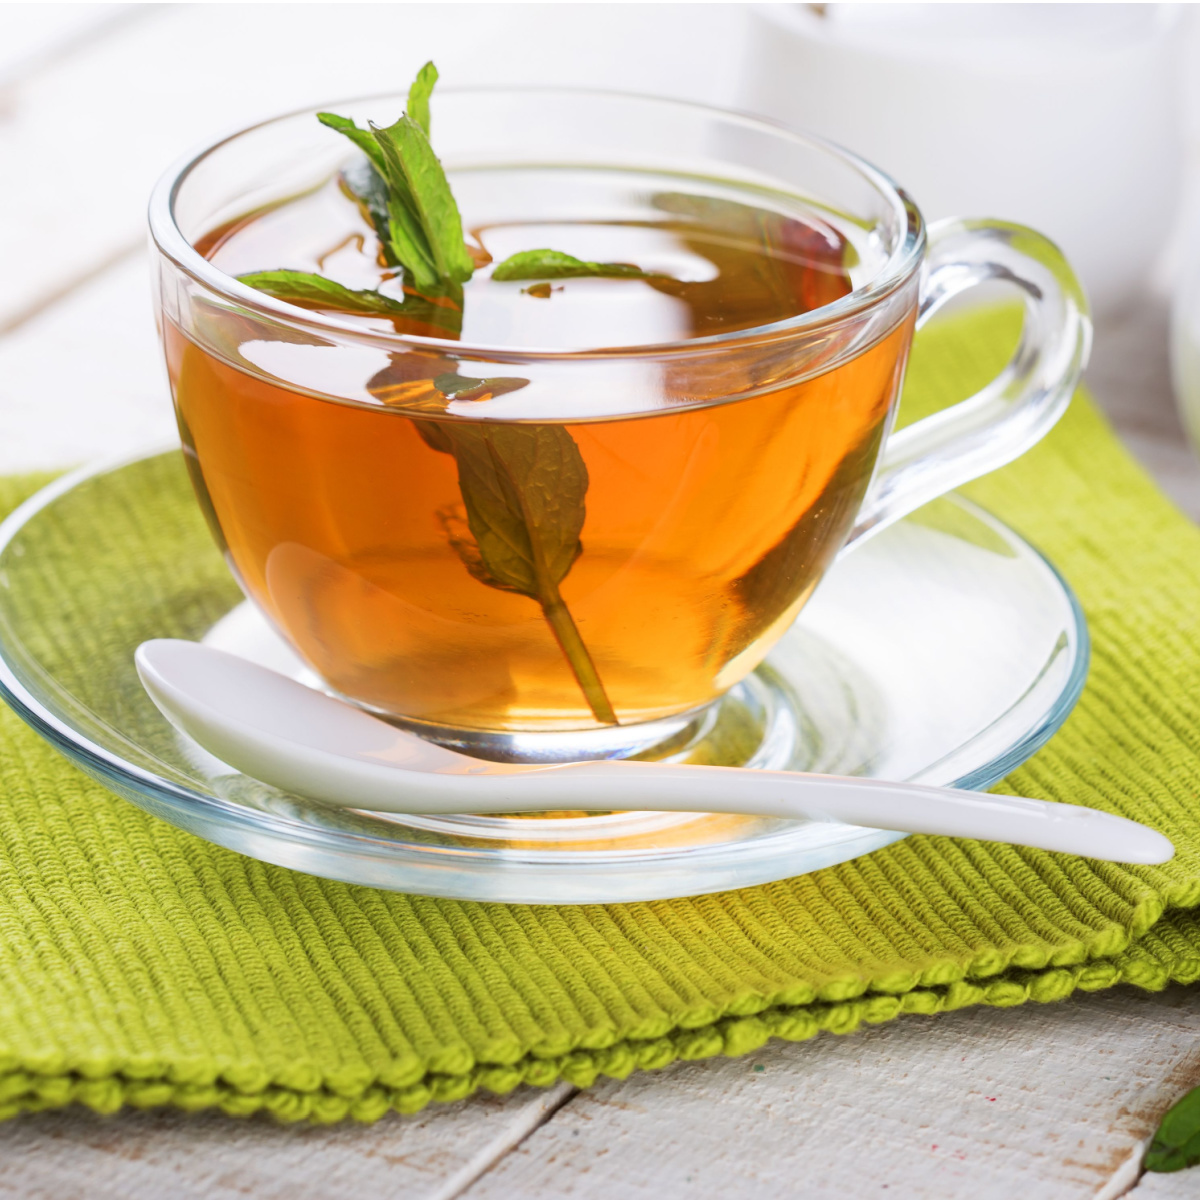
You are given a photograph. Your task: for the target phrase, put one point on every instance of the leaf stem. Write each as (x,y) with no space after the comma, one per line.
(554,607)
(558,617)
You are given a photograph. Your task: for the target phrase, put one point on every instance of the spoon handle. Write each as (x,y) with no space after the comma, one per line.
(878,803)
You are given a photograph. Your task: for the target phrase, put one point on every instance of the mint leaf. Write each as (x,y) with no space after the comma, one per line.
(443,312)
(407,383)
(411,166)
(366,187)
(463,387)
(365,182)
(554,264)
(404,192)
(360,137)
(418,96)
(442,306)
(523,487)
(408,241)
(315,291)
(404,243)
(1177,1143)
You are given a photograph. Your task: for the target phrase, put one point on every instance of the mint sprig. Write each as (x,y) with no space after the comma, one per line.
(418,96)
(315,291)
(403,192)
(554,264)
(366,187)
(522,486)
(1177,1143)
(362,138)
(454,386)
(426,228)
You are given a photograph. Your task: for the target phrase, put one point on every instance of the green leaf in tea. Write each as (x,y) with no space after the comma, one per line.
(365,183)
(360,137)
(443,312)
(464,387)
(315,291)
(554,264)
(404,192)
(408,243)
(366,187)
(416,178)
(418,96)
(440,307)
(388,203)
(523,487)
(1177,1143)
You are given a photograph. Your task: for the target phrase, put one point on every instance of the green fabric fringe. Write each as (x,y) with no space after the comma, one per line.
(142,966)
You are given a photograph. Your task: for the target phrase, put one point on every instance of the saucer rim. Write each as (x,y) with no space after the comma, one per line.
(177,803)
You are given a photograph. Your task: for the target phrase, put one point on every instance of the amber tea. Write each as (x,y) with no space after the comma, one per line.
(473,546)
(691,537)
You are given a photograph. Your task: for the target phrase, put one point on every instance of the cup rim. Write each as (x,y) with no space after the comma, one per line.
(901,263)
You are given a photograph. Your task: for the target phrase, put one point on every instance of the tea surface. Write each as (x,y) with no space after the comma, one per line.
(724,263)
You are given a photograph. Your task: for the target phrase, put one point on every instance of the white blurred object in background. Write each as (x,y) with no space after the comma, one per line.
(1062,117)
(1185,257)
(1185,344)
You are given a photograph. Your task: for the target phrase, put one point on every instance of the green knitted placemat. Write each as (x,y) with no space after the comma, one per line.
(141,965)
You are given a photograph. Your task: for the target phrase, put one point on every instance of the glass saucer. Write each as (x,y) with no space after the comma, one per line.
(944,650)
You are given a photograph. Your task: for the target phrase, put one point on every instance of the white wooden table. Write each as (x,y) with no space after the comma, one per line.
(1054,1101)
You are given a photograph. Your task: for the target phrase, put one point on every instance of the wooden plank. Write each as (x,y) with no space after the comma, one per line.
(1179,1185)
(33,35)
(186,73)
(1049,1102)
(76,1155)
(85,379)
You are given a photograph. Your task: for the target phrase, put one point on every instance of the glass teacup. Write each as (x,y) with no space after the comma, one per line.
(577,550)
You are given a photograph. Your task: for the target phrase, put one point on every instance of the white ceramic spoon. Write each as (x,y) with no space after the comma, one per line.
(293,737)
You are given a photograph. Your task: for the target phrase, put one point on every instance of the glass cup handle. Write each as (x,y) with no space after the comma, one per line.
(1018,408)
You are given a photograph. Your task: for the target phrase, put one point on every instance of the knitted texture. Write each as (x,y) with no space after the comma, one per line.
(140,965)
